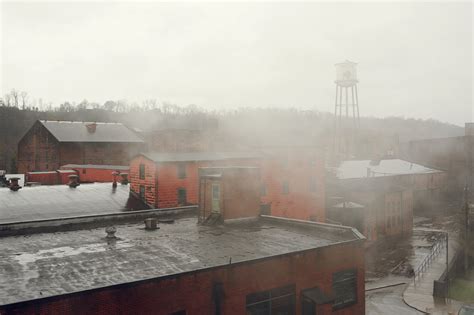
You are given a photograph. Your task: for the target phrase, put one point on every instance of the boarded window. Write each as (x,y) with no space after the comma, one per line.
(276,301)
(142,192)
(141,172)
(181,170)
(344,285)
(285,189)
(182,197)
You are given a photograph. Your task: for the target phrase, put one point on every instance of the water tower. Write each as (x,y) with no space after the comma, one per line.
(346,110)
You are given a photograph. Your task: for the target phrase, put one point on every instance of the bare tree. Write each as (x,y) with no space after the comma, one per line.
(15,97)
(24,97)
(8,100)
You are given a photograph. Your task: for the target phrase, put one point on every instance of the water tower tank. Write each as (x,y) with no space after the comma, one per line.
(346,73)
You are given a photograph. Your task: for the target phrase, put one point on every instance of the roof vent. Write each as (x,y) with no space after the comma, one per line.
(14,186)
(151,224)
(124,180)
(110,230)
(115,174)
(73,181)
(91,127)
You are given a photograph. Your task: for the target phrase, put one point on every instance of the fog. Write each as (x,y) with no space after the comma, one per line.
(415,59)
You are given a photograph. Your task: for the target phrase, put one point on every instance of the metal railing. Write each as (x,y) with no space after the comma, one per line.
(425,264)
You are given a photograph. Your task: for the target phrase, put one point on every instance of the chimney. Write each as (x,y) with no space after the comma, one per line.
(73,181)
(14,186)
(91,127)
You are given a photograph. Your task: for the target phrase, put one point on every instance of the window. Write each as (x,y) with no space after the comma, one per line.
(285,187)
(182,197)
(313,185)
(84,171)
(279,301)
(142,192)
(307,307)
(181,170)
(344,285)
(141,172)
(263,190)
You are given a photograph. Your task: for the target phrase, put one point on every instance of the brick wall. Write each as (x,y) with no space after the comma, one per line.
(150,182)
(239,192)
(193,291)
(169,182)
(38,150)
(303,201)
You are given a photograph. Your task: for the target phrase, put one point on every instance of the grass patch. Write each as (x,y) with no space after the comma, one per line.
(462,290)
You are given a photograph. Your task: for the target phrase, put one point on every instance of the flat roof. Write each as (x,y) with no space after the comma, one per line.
(362,168)
(47,202)
(198,156)
(48,264)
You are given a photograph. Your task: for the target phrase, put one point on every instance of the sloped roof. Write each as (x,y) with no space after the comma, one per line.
(198,156)
(363,168)
(76,131)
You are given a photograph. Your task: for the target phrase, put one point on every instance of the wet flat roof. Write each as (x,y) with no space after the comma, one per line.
(48,264)
(47,202)
(390,167)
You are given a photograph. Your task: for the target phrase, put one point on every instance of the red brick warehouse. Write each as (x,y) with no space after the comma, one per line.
(164,180)
(292,180)
(48,145)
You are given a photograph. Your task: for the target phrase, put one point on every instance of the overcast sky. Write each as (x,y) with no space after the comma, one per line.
(414,60)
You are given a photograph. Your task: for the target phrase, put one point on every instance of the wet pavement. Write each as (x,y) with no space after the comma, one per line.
(392,263)
(388,301)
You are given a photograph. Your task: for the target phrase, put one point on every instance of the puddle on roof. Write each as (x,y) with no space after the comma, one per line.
(59,252)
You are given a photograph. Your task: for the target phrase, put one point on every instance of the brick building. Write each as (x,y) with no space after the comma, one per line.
(267,265)
(386,193)
(50,144)
(229,188)
(455,155)
(292,180)
(164,180)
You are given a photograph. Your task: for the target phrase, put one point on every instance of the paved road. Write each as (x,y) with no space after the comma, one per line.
(387,301)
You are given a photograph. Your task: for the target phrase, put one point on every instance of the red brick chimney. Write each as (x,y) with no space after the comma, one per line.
(91,127)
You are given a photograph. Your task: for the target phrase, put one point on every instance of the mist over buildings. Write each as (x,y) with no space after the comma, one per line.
(415,59)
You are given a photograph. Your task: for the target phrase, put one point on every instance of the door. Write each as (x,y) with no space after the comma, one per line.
(216,198)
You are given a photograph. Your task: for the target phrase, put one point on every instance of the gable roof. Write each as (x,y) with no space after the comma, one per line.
(368,168)
(77,131)
(198,156)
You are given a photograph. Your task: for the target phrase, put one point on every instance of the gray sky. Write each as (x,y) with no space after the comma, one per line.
(415,59)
